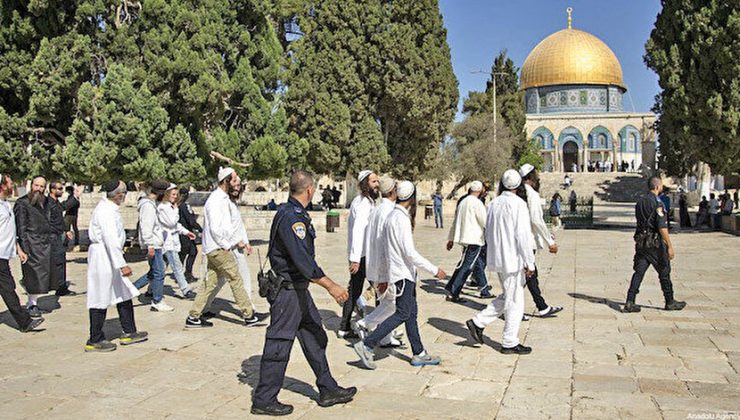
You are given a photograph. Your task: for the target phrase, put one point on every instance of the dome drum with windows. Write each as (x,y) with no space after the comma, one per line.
(574,90)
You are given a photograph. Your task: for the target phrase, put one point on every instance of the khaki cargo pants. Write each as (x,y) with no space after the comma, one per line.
(222,264)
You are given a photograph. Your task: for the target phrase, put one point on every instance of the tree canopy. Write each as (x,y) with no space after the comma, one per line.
(695,51)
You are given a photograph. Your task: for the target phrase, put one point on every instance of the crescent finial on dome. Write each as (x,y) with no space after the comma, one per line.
(570,17)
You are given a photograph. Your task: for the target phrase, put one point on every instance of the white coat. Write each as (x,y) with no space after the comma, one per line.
(375,258)
(541,236)
(105,284)
(469,223)
(509,235)
(359,215)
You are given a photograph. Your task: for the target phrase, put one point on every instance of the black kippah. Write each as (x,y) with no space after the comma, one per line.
(110,186)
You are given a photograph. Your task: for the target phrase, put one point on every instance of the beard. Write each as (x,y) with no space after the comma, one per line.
(36,198)
(234,192)
(374,194)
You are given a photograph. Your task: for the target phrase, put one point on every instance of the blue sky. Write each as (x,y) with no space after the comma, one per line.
(478,29)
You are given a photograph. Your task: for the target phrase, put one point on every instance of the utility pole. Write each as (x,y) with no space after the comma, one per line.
(493,77)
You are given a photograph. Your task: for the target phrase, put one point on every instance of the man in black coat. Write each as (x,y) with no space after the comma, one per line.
(35,237)
(59,237)
(71,209)
(188,247)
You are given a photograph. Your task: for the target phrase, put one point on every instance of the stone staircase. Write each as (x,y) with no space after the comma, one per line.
(616,187)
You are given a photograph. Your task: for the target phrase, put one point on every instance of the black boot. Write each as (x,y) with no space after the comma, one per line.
(631,307)
(276,409)
(674,305)
(338,396)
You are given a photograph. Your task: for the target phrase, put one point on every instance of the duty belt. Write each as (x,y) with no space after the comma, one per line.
(295,286)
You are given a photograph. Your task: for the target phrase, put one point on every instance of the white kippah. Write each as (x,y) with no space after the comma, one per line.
(363,174)
(224,172)
(476,186)
(525,169)
(405,190)
(511,179)
(171,187)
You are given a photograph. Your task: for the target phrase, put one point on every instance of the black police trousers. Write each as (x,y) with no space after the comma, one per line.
(356,283)
(658,258)
(292,314)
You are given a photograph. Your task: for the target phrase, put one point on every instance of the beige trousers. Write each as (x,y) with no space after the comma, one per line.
(222,264)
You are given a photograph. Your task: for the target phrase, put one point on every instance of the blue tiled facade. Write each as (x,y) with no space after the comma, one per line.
(629,139)
(600,139)
(544,138)
(574,99)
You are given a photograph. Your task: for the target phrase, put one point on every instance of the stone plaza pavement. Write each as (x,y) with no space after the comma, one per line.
(592,361)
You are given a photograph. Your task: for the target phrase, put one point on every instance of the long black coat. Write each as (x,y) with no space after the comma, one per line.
(35,238)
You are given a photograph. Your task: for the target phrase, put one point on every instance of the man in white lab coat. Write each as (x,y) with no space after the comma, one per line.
(467,230)
(541,237)
(510,255)
(359,213)
(377,266)
(108,273)
(221,221)
(402,260)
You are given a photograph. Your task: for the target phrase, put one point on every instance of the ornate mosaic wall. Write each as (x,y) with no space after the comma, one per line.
(574,99)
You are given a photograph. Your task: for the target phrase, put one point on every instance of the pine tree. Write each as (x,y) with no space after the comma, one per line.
(695,50)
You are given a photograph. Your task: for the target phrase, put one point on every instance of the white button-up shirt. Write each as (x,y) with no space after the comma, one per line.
(509,235)
(469,223)
(7,231)
(221,221)
(541,236)
(359,215)
(402,257)
(376,258)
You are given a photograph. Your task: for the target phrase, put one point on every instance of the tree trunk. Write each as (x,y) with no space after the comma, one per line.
(457,186)
(703,179)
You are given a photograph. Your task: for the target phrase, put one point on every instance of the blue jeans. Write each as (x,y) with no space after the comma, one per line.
(406,312)
(173,259)
(438,216)
(473,260)
(155,277)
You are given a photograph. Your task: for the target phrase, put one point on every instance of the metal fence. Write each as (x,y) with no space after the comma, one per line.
(583,217)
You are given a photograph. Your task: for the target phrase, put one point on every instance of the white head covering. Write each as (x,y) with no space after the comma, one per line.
(224,172)
(525,169)
(511,179)
(405,190)
(363,174)
(476,186)
(387,184)
(171,187)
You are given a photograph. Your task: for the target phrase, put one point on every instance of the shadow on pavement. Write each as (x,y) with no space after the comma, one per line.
(455,328)
(250,374)
(613,304)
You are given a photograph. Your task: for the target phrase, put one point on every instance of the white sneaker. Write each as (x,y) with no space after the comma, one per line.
(161,307)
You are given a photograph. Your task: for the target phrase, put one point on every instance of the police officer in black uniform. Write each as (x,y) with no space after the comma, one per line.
(652,247)
(293,312)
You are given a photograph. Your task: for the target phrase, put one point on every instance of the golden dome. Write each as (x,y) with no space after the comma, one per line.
(571,57)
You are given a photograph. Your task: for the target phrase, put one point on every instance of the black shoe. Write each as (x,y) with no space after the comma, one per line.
(190,278)
(253,320)
(456,299)
(475,331)
(32,325)
(133,338)
(675,305)
(551,311)
(190,295)
(347,335)
(276,409)
(631,307)
(36,312)
(191,322)
(148,294)
(338,396)
(209,315)
(66,292)
(518,349)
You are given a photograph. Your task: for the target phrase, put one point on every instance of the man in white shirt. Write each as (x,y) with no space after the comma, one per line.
(151,239)
(403,260)
(509,238)
(359,213)
(108,272)
(377,266)
(542,238)
(220,223)
(467,230)
(714,214)
(9,249)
